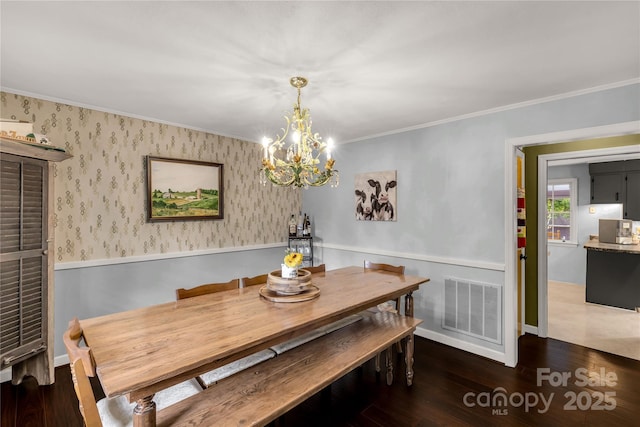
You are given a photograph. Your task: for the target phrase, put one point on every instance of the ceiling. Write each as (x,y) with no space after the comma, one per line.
(374,68)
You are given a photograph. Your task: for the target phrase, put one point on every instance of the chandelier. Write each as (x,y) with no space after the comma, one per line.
(298,163)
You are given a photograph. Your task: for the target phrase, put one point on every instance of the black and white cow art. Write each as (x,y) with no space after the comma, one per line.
(375,196)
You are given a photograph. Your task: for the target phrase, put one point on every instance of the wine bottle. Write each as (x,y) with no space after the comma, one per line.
(308,226)
(292,226)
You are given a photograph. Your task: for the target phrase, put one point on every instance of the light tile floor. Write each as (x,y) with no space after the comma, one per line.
(595,326)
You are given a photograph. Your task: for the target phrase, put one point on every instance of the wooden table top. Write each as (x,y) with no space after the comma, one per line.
(142,351)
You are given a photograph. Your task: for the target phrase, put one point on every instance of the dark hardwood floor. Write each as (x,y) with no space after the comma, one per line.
(451,388)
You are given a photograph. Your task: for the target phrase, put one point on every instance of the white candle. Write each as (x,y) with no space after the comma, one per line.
(329,147)
(265,144)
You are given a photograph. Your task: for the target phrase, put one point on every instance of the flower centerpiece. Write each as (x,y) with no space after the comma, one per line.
(290,280)
(292,261)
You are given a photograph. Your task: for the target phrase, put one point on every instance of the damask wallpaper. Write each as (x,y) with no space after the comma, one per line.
(101,191)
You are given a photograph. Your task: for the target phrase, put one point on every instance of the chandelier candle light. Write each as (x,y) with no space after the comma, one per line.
(298,164)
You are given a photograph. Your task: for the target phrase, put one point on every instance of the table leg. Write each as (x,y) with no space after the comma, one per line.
(408,304)
(389,363)
(409,359)
(144,414)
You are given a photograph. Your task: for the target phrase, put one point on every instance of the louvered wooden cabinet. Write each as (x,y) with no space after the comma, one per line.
(26,260)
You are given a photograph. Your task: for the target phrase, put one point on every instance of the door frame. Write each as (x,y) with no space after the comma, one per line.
(510,303)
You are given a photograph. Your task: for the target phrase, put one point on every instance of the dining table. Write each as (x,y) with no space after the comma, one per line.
(142,351)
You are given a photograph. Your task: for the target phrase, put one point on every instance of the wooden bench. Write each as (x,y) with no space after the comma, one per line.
(261,394)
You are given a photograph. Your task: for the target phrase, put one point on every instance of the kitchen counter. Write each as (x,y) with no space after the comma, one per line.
(613,274)
(612,247)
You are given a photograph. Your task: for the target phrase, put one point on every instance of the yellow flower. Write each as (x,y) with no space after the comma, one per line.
(329,164)
(267,164)
(292,260)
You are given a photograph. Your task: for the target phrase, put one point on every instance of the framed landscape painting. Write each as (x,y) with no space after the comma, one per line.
(183,189)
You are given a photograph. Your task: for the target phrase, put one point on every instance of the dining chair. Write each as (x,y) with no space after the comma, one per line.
(397,269)
(256,280)
(207,289)
(210,378)
(317,269)
(115,411)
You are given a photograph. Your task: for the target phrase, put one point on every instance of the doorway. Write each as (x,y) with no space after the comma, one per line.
(535,295)
(584,156)
(569,318)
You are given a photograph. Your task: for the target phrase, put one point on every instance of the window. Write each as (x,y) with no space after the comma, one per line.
(561,210)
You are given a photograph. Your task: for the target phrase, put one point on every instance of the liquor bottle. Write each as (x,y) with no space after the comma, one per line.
(308,226)
(299,230)
(305,230)
(292,226)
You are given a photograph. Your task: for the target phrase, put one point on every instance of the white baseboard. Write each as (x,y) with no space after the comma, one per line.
(530,329)
(462,345)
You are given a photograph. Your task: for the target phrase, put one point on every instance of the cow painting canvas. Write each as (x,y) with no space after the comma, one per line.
(375,196)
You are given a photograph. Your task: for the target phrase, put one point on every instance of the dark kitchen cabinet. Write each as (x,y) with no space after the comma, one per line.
(632,204)
(617,182)
(607,188)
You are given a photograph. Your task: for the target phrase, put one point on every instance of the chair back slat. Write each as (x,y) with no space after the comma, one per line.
(385,267)
(398,269)
(252,281)
(82,366)
(71,339)
(207,289)
(86,398)
(317,269)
